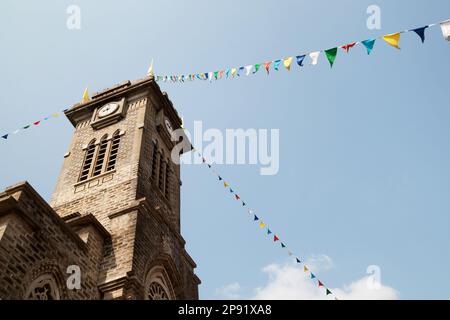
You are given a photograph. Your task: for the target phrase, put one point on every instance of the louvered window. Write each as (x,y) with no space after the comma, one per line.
(114,152)
(100,156)
(88,159)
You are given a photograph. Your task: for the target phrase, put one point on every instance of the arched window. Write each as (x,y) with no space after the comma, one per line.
(100,156)
(43,288)
(112,159)
(158,286)
(161,171)
(88,161)
(154,161)
(167,184)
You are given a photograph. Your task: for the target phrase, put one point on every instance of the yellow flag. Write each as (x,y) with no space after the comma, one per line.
(150,70)
(85,96)
(233,72)
(262,225)
(393,39)
(55,115)
(287,63)
(305,269)
(225,184)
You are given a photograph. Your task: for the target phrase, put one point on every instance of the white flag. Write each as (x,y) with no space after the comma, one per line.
(248,69)
(314,57)
(445,26)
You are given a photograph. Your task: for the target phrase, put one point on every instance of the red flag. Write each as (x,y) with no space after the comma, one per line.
(36,123)
(267,66)
(237,197)
(275,238)
(320,284)
(348,46)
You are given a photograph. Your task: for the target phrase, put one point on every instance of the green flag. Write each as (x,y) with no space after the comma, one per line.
(331,55)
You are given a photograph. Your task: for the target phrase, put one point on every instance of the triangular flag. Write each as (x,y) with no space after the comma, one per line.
(421,33)
(300,60)
(233,72)
(255,218)
(210,76)
(331,55)
(287,63)
(289,253)
(225,184)
(276,64)
(392,39)
(283,245)
(36,123)
(243,204)
(262,225)
(348,46)
(314,57)
(275,238)
(298,260)
(267,66)
(5,136)
(150,70)
(209,166)
(26,127)
(320,284)
(328,292)
(216,74)
(257,66)
(369,45)
(250,211)
(239,70)
(312,276)
(85,96)
(231,190)
(268,231)
(248,69)
(237,197)
(445,27)
(220,178)
(305,269)
(221,74)
(16,131)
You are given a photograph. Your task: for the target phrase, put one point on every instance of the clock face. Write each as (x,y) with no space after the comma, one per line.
(107,109)
(169,126)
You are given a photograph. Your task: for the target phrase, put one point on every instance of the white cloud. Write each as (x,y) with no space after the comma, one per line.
(290,282)
(229,291)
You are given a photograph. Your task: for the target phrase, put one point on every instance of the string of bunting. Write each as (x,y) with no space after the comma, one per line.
(275,237)
(32,124)
(392,39)
(38,122)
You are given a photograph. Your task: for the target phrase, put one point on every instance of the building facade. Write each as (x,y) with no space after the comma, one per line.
(114,217)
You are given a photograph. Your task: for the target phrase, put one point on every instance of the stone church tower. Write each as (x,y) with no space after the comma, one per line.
(114,215)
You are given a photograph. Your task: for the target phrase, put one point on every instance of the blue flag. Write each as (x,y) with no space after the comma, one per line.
(276,64)
(369,45)
(420,32)
(300,60)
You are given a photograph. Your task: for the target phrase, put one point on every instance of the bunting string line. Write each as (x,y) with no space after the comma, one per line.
(5,136)
(331,54)
(268,231)
(392,39)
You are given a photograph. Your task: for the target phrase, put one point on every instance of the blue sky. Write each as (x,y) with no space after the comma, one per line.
(364,148)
